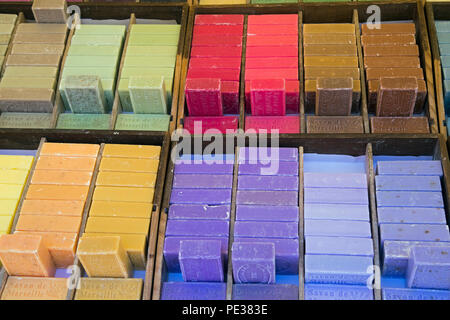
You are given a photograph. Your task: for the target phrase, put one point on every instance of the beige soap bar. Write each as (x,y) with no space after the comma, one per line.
(42,28)
(43,83)
(126,194)
(126,179)
(131,151)
(121,209)
(109,289)
(117,225)
(60,177)
(129,165)
(55,192)
(51,38)
(45,60)
(30,72)
(35,288)
(53,207)
(46,223)
(65,163)
(40,48)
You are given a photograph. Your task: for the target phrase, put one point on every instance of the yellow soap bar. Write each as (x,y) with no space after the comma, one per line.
(127,194)
(55,192)
(13,176)
(70,149)
(75,178)
(104,257)
(35,288)
(6,223)
(16,162)
(131,151)
(44,223)
(121,209)
(126,179)
(11,191)
(117,225)
(109,289)
(129,165)
(8,207)
(53,207)
(65,163)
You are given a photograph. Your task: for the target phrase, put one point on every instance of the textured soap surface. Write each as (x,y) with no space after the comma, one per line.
(419,167)
(407,183)
(414,294)
(337,292)
(414,232)
(109,289)
(414,215)
(193,291)
(253,262)
(265,292)
(35,288)
(409,199)
(201,196)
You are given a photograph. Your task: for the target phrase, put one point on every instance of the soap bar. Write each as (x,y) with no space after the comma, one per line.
(392,51)
(411,215)
(41,28)
(35,100)
(201,260)
(266,292)
(336,212)
(131,151)
(201,228)
(266,229)
(129,165)
(148,94)
(330,50)
(201,196)
(337,292)
(75,178)
(104,50)
(268,97)
(230,97)
(48,223)
(57,192)
(253,262)
(396,97)
(272,124)
(199,211)
(201,125)
(414,232)
(85,94)
(225,63)
(399,125)
(109,289)
(25,120)
(97,40)
(392,62)
(13,176)
(272,29)
(289,198)
(94,61)
(338,196)
(388,40)
(262,154)
(211,40)
(126,179)
(312,73)
(343,124)
(270,51)
(407,183)
(203,97)
(389,28)
(377,73)
(273,19)
(335,180)
(271,40)
(203,167)
(45,60)
(121,209)
(35,288)
(37,49)
(334,228)
(52,207)
(414,294)
(50,38)
(50,11)
(193,291)
(8,207)
(331,61)
(117,225)
(320,28)
(277,73)
(409,199)
(199,181)
(329,38)
(278,168)
(101,29)
(334,96)
(214,52)
(410,167)
(11,191)
(339,246)
(219,19)
(84,121)
(268,183)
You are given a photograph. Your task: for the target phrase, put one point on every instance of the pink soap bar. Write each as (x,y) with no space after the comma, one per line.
(225,63)
(230,97)
(272,51)
(288,74)
(219,29)
(224,124)
(222,19)
(271,63)
(263,40)
(268,97)
(203,97)
(257,29)
(210,40)
(282,19)
(285,124)
(219,73)
(218,51)
(292,96)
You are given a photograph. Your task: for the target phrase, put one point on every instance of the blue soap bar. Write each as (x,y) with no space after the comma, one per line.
(411,215)
(265,292)
(193,291)
(338,196)
(253,262)
(267,213)
(447,95)
(339,246)
(322,211)
(199,181)
(336,228)
(204,167)
(199,211)
(286,253)
(429,267)
(414,232)
(446,73)
(414,294)
(410,167)
(17,152)
(408,183)
(275,168)
(335,180)
(443,37)
(269,198)
(409,199)
(281,183)
(262,154)
(263,229)
(445,61)
(444,49)
(198,228)
(337,292)
(337,269)
(442,25)
(201,196)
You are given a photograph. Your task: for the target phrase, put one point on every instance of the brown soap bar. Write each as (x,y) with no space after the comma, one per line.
(50,11)
(389,51)
(390,28)
(391,62)
(329,38)
(26,100)
(334,96)
(41,28)
(399,125)
(52,38)
(377,73)
(396,97)
(388,40)
(347,124)
(340,28)
(334,72)
(331,61)
(330,50)
(44,60)
(39,48)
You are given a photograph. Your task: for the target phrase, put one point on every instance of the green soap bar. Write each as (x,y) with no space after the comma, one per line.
(274,1)
(148,95)
(100,29)
(4,38)
(25,120)
(155,29)
(102,72)
(149,61)
(3,48)
(84,121)
(8,18)
(85,94)
(30,72)
(6,28)
(97,40)
(142,122)
(154,51)
(153,40)
(44,83)
(151,71)
(92,61)
(85,50)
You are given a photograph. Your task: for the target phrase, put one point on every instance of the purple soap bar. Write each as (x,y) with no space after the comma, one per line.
(409,199)
(265,292)
(335,180)
(408,183)
(267,213)
(338,196)
(414,232)
(274,168)
(410,167)
(253,154)
(17,152)
(268,198)
(199,181)
(411,215)
(263,229)
(201,196)
(172,249)
(280,183)
(286,253)
(193,291)
(253,262)
(315,291)
(321,211)
(199,211)
(197,228)
(205,167)
(339,246)
(414,294)
(335,228)
(429,267)
(201,260)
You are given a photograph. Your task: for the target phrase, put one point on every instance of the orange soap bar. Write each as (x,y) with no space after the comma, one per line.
(127,194)
(131,151)
(53,207)
(76,178)
(48,223)
(121,209)
(35,288)
(104,257)
(129,165)
(69,149)
(65,163)
(117,225)
(126,179)
(57,192)
(25,255)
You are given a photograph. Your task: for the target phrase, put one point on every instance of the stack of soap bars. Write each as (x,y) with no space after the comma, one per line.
(271,73)
(7,24)
(338,238)
(266,229)
(395,79)
(146,83)
(332,78)
(415,239)
(212,83)
(197,231)
(88,79)
(443,37)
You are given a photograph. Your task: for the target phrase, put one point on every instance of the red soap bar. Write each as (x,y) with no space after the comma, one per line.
(210,40)
(220,73)
(272,51)
(268,97)
(263,40)
(225,63)
(288,74)
(271,63)
(256,29)
(219,29)
(230,97)
(201,124)
(203,97)
(283,19)
(285,124)
(222,19)
(292,96)
(219,51)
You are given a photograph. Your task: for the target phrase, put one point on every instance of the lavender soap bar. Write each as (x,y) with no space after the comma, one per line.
(335,180)
(199,228)
(262,229)
(265,292)
(267,213)
(270,198)
(411,215)
(333,228)
(407,183)
(339,246)
(418,168)
(337,196)
(201,196)
(409,199)
(321,211)
(253,262)
(202,181)
(337,292)
(272,183)
(199,212)
(181,167)
(414,232)
(267,154)
(274,168)
(193,291)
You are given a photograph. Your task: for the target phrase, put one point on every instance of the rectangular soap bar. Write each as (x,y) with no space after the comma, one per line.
(13,176)
(338,196)
(198,228)
(268,97)
(312,73)
(410,167)
(409,199)
(34,100)
(201,196)
(57,192)
(127,194)
(215,52)
(262,154)
(203,167)
(44,60)
(389,28)
(270,51)
(268,183)
(309,28)
(34,288)
(336,212)
(109,289)
(202,181)
(414,294)
(273,19)
(334,61)
(265,292)
(346,246)
(210,40)
(388,40)
(411,215)
(129,165)
(225,124)
(8,207)
(396,97)
(75,178)
(47,223)
(121,209)
(225,63)
(219,19)
(52,207)
(377,73)
(193,291)
(68,163)
(391,51)
(391,62)
(201,260)
(266,229)
(14,162)
(329,38)
(399,125)
(278,168)
(253,262)
(267,213)
(117,225)
(131,151)
(275,29)
(334,228)
(199,211)
(50,38)
(337,292)
(330,50)
(335,180)
(407,183)
(271,40)
(289,198)
(272,124)
(126,179)
(11,191)
(414,232)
